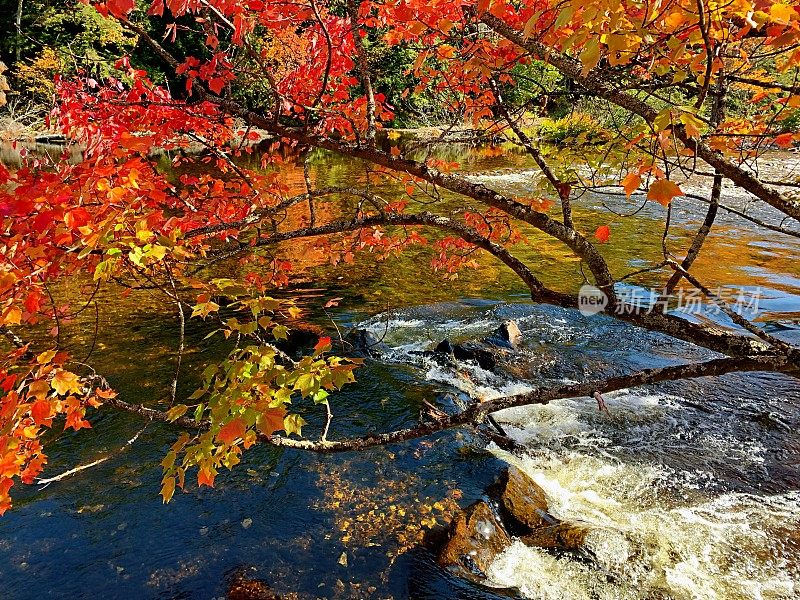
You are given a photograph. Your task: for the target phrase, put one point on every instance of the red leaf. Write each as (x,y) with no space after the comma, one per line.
(40,411)
(784,140)
(603,233)
(77,217)
(120,8)
(323,345)
(231,431)
(216,85)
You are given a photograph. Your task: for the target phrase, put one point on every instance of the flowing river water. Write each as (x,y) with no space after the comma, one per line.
(692,489)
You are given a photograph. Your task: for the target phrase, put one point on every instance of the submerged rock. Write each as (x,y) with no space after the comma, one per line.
(476,537)
(365,343)
(496,348)
(485,358)
(522,499)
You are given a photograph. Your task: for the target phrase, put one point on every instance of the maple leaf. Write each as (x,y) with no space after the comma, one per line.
(323,345)
(120,8)
(65,382)
(231,431)
(271,420)
(40,411)
(216,85)
(603,233)
(631,183)
(293,424)
(784,140)
(168,488)
(205,476)
(663,191)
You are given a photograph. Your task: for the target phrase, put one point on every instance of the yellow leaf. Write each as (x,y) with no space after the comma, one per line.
(692,124)
(12,316)
(590,56)
(663,191)
(293,424)
(65,382)
(782,13)
(176,412)
(168,488)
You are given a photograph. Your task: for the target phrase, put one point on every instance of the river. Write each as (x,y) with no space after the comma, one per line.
(693,488)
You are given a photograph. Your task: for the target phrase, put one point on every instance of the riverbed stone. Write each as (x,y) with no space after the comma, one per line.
(241,588)
(476,537)
(522,499)
(485,358)
(365,343)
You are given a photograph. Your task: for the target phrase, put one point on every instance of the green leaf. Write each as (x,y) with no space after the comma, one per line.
(176,412)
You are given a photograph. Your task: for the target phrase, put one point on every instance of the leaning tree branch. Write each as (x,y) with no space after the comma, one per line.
(579,244)
(715,338)
(478,412)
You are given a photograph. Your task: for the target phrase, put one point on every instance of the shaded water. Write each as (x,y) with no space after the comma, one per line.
(692,486)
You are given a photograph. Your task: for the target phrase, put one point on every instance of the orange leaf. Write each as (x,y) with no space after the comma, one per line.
(231,431)
(133,142)
(663,191)
(271,420)
(631,183)
(603,233)
(205,477)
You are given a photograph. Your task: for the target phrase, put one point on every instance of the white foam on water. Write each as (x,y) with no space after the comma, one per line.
(653,533)
(475,381)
